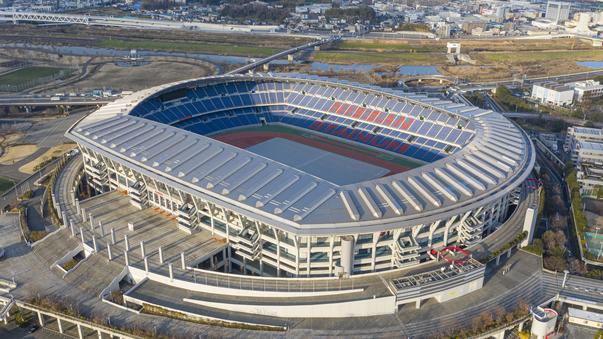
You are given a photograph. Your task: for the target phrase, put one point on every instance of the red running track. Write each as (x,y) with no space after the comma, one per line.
(246,139)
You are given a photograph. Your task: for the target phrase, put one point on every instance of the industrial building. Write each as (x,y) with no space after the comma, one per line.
(552,93)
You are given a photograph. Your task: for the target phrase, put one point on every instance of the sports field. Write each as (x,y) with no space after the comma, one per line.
(337,161)
(27,74)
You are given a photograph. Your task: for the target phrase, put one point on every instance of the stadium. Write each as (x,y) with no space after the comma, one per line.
(305,176)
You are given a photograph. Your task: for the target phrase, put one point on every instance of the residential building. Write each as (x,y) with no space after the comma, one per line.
(558,11)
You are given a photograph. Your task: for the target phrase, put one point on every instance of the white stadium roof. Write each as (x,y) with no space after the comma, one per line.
(495,161)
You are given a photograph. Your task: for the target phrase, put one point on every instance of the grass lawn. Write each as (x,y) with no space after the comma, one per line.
(389,45)
(379,58)
(435,46)
(28,74)
(543,56)
(209,48)
(5,184)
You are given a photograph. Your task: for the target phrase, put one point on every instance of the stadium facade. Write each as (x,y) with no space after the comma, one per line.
(280,220)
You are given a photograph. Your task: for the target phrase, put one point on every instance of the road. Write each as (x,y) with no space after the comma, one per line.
(29,100)
(279,55)
(570,77)
(495,106)
(131,22)
(558,179)
(525,282)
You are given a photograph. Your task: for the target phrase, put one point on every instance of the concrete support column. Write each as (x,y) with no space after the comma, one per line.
(91,218)
(41,319)
(82,236)
(182,260)
(112,236)
(229,261)
(497,260)
(347,254)
(418,304)
(57,206)
(102,228)
(308,257)
(94,243)
(100,334)
(126,258)
(60,325)
(126,242)
(77,207)
(109,252)
(72,227)
(171,271)
(160,255)
(65,221)
(146,265)
(84,219)
(79,331)
(142,251)
(509,253)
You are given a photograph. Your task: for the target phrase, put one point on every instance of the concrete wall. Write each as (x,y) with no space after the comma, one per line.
(529,224)
(585,322)
(139,274)
(114,284)
(360,308)
(460,290)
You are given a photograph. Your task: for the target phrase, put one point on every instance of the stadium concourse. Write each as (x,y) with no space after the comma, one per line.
(292,177)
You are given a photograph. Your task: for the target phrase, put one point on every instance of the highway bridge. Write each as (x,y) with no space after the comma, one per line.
(279,55)
(60,18)
(18,100)
(528,81)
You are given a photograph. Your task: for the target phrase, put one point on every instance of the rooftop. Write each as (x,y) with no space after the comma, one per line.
(555,86)
(493,163)
(587,315)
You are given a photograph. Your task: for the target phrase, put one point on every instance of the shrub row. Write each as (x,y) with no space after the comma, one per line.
(518,239)
(580,221)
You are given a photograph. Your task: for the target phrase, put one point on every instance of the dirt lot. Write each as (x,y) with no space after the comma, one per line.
(53,152)
(140,77)
(17,153)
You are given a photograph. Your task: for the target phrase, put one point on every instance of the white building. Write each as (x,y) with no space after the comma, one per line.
(282,221)
(553,94)
(586,148)
(587,89)
(543,322)
(557,11)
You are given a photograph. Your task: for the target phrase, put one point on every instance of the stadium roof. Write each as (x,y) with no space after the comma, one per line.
(493,163)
